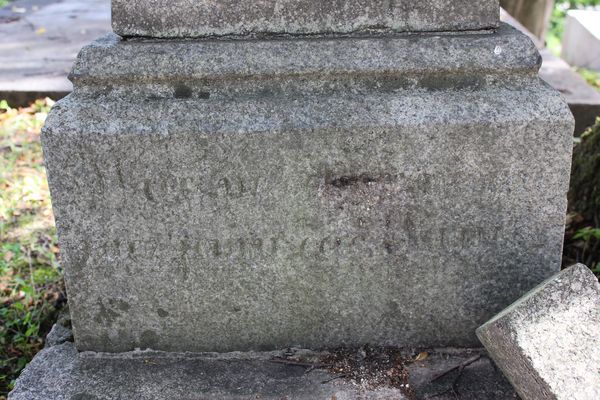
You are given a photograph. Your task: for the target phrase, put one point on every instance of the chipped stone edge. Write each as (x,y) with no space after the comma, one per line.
(533,292)
(506,350)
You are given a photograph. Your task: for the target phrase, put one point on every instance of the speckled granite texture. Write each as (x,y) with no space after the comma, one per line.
(548,342)
(59,372)
(219,195)
(194,18)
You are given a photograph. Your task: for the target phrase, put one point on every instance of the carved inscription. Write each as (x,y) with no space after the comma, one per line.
(196,188)
(188,187)
(342,214)
(188,250)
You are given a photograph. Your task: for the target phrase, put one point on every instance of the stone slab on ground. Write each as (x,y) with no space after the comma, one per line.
(548,342)
(40,42)
(185,18)
(219,195)
(583,99)
(440,377)
(60,373)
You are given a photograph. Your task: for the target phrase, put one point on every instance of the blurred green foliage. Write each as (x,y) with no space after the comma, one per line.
(31,288)
(591,77)
(582,238)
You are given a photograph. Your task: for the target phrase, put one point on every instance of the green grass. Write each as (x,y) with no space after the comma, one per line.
(556,31)
(592,77)
(590,238)
(31,288)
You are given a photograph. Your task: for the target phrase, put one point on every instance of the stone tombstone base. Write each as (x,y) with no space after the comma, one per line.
(223,195)
(60,372)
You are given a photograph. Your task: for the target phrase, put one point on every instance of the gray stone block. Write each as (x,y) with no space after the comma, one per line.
(61,373)
(548,342)
(217,195)
(193,18)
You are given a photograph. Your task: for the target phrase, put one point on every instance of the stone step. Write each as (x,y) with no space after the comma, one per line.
(438,60)
(59,372)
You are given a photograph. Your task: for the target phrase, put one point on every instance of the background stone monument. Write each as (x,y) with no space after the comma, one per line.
(304,174)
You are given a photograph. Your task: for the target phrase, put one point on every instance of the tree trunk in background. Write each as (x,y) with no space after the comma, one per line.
(584,194)
(533,14)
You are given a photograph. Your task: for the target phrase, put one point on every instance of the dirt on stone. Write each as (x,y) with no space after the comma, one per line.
(370,367)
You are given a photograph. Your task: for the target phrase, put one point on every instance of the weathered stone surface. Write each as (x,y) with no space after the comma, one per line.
(219,195)
(479,380)
(582,98)
(185,18)
(59,372)
(548,342)
(58,335)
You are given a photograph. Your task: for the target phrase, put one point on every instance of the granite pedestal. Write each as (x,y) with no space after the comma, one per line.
(219,195)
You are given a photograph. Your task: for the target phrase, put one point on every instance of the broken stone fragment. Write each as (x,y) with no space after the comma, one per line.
(548,342)
(58,334)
